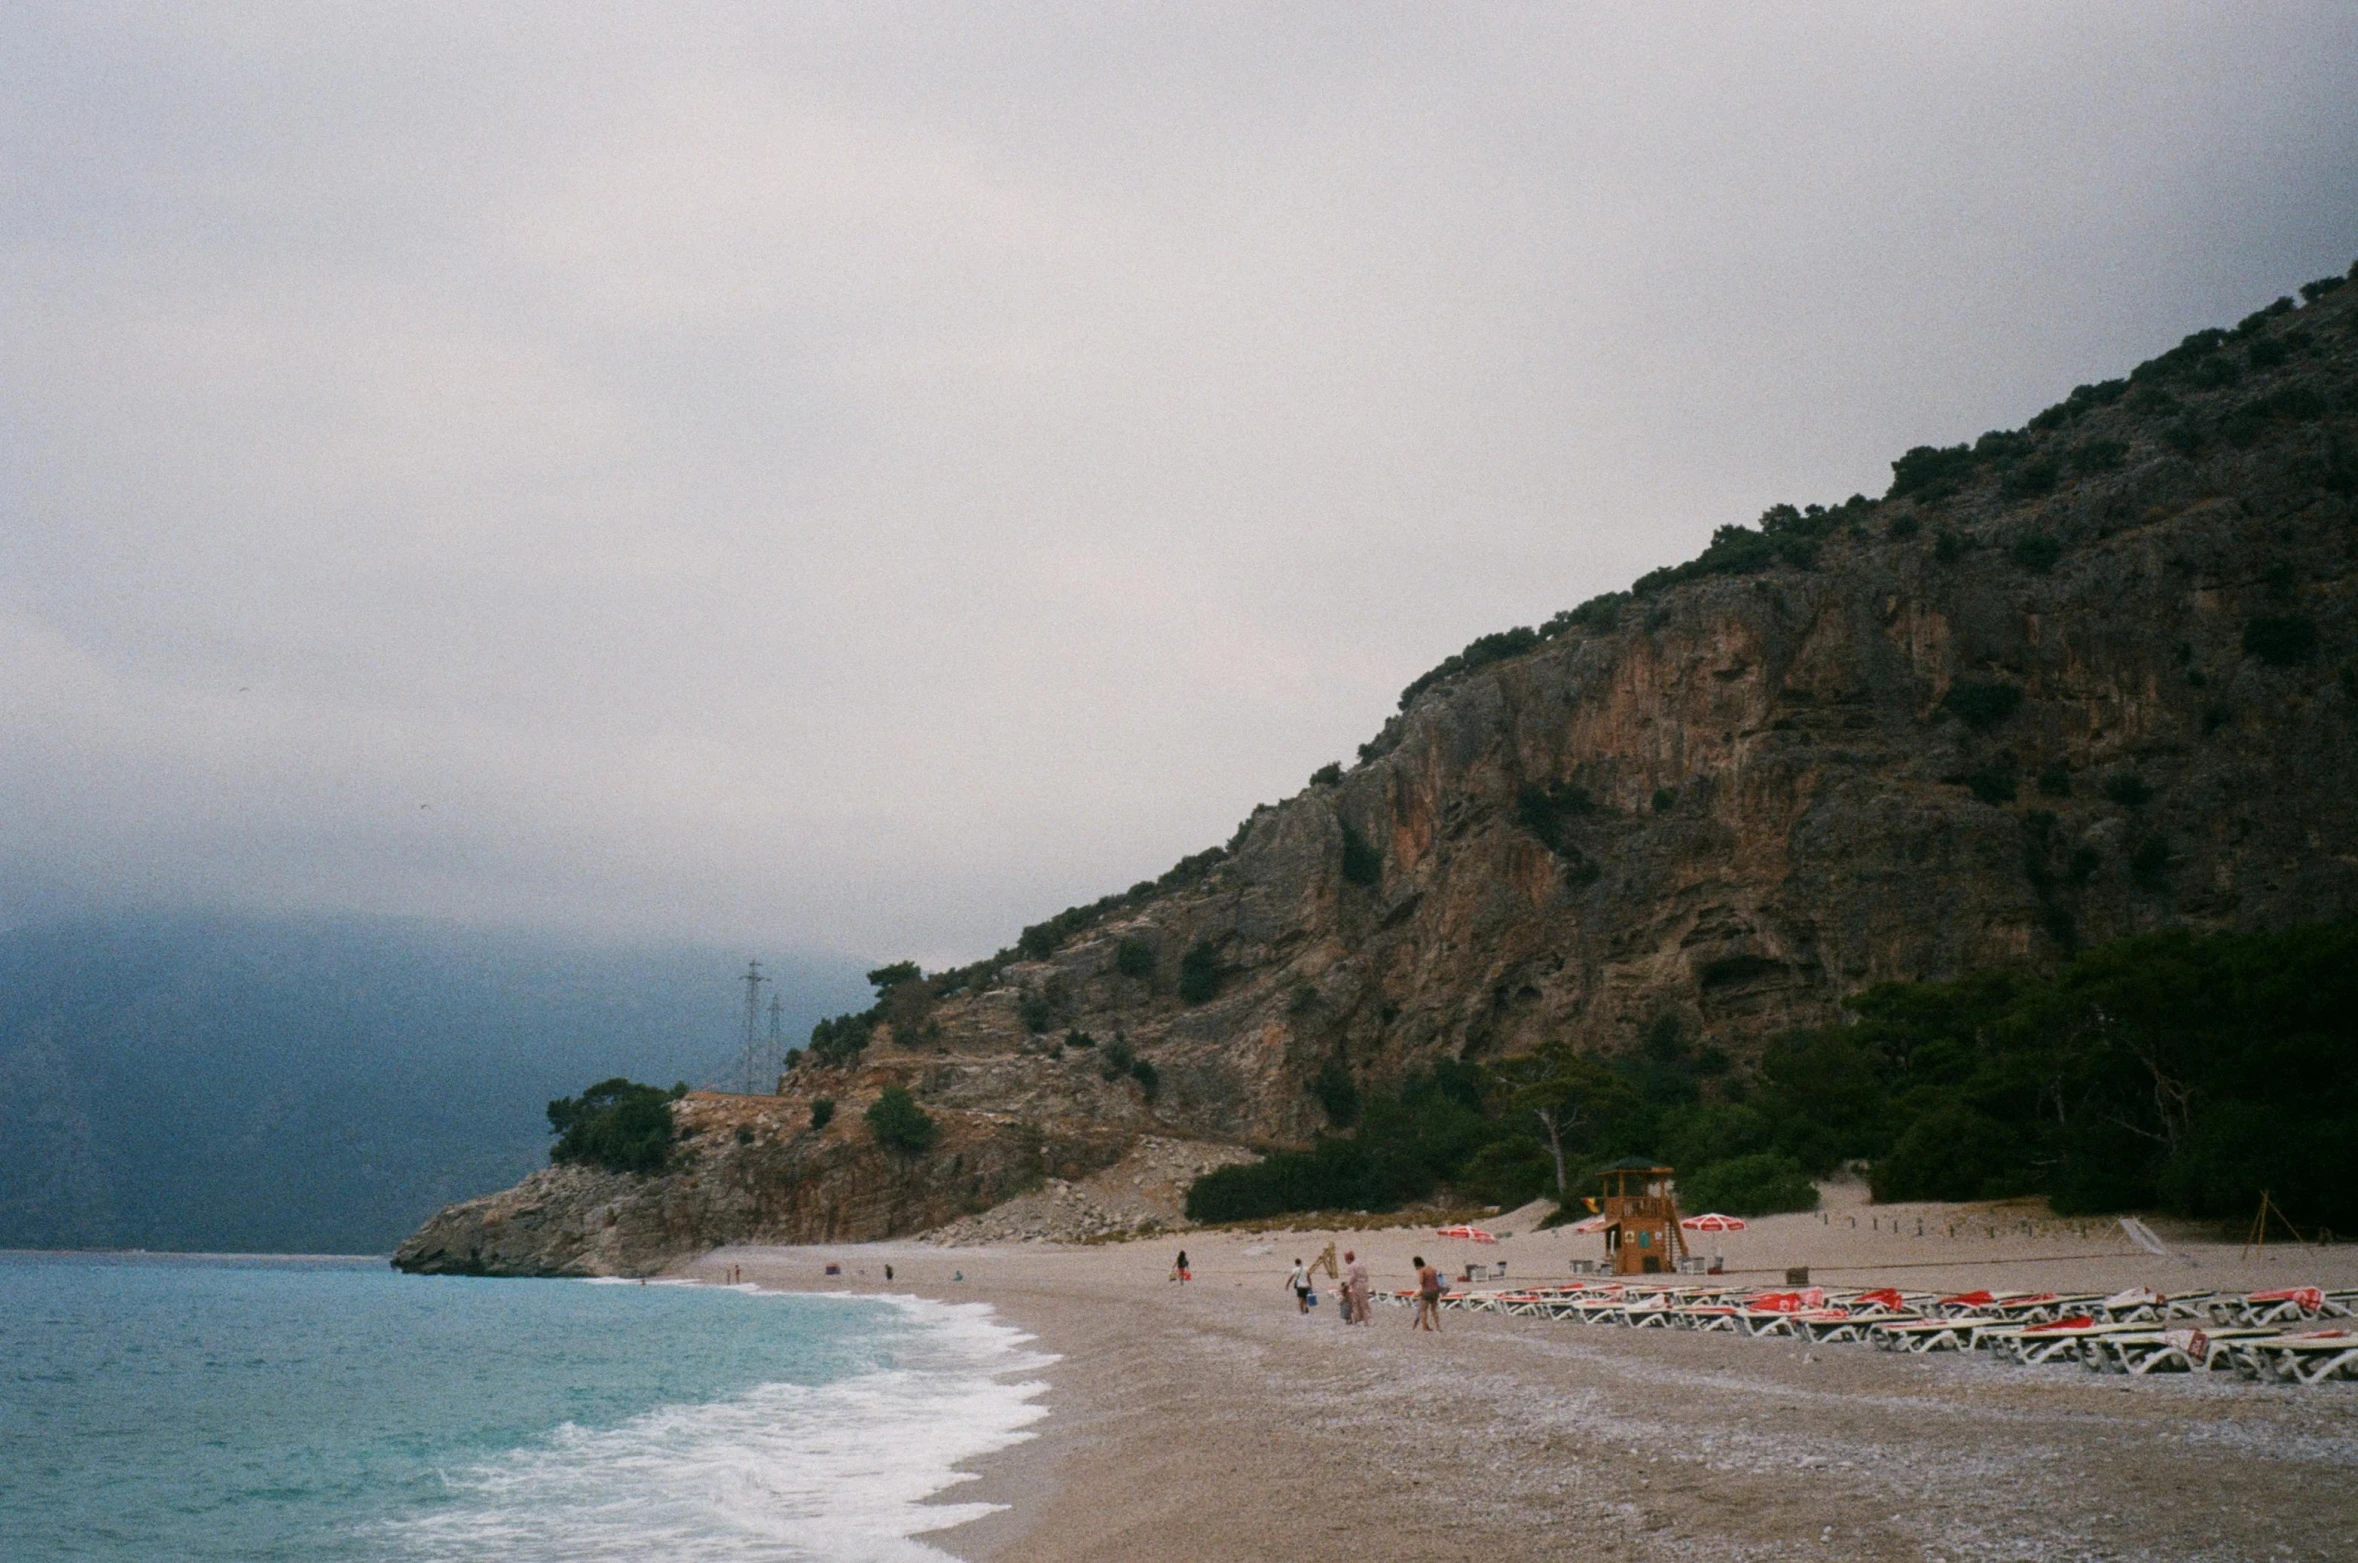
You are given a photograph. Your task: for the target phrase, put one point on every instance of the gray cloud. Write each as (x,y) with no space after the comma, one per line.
(868,477)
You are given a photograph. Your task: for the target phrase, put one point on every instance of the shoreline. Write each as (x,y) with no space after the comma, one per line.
(1022,1479)
(1214,1422)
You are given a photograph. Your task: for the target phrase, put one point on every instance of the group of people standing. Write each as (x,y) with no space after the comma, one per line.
(1355,1290)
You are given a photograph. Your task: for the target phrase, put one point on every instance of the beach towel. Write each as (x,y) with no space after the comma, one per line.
(2194,1345)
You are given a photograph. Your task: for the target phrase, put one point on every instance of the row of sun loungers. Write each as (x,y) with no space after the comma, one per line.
(2289,1336)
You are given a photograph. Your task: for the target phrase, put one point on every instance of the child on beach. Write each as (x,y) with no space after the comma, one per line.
(1428,1296)
(1179,1268)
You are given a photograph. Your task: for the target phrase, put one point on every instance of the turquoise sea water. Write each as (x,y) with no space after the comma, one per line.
(159,1408)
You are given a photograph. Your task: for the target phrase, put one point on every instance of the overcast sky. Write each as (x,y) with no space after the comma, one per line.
(863,478)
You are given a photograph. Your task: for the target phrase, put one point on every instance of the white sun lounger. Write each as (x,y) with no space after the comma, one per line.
(2137,1305)
(1925,1335)
(1643,1311)
(2310,1357)
(1759,1322)
(2294,1305)
(2035,1343)
(2141,1352)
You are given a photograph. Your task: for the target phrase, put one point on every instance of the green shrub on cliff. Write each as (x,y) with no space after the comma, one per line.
(1785,536)
(899,1124)
(841,1038)
(616,1124)
(1930,472)
(1199,972)
(2280,639)
(1992,783)
(2028,479)
(1552,812)
(2036,552)
(1337,1091)
(1362,863)
(1982,703)
(2128,789)
(1494,647)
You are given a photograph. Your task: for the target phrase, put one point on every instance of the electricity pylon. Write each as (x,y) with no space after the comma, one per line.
(749,1061)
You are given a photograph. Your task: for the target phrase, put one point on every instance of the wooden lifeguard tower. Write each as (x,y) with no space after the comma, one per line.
(1641,1215)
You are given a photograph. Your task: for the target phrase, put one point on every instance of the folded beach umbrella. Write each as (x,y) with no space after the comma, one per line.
(1714,1222)
(1466,1234)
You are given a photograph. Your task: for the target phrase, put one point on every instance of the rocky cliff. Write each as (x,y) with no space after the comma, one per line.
(2071,682)
(752,1167)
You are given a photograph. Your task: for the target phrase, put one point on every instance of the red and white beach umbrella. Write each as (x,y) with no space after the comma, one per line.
(1594,1224)
(1713,1222)
(1466,1234)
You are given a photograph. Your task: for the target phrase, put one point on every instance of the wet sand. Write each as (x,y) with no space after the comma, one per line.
(1213,1422)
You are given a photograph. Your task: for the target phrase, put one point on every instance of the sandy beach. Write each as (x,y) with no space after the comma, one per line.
(1212,1421)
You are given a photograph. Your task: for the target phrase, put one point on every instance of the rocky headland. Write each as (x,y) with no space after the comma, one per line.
(2075,681)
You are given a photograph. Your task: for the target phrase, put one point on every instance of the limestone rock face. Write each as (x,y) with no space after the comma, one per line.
(1978,730)
(749,1169)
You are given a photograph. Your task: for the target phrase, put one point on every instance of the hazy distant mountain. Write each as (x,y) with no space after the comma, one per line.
(240,1084)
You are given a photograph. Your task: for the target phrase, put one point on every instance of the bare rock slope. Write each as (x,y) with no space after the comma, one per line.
(2087,679)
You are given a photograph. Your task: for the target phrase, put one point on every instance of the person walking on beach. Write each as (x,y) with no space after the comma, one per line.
(1300,1282)
(1428,1295)
(1354,1289)
(1179,1268)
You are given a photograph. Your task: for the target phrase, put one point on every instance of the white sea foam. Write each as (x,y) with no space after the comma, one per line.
(838,1472)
